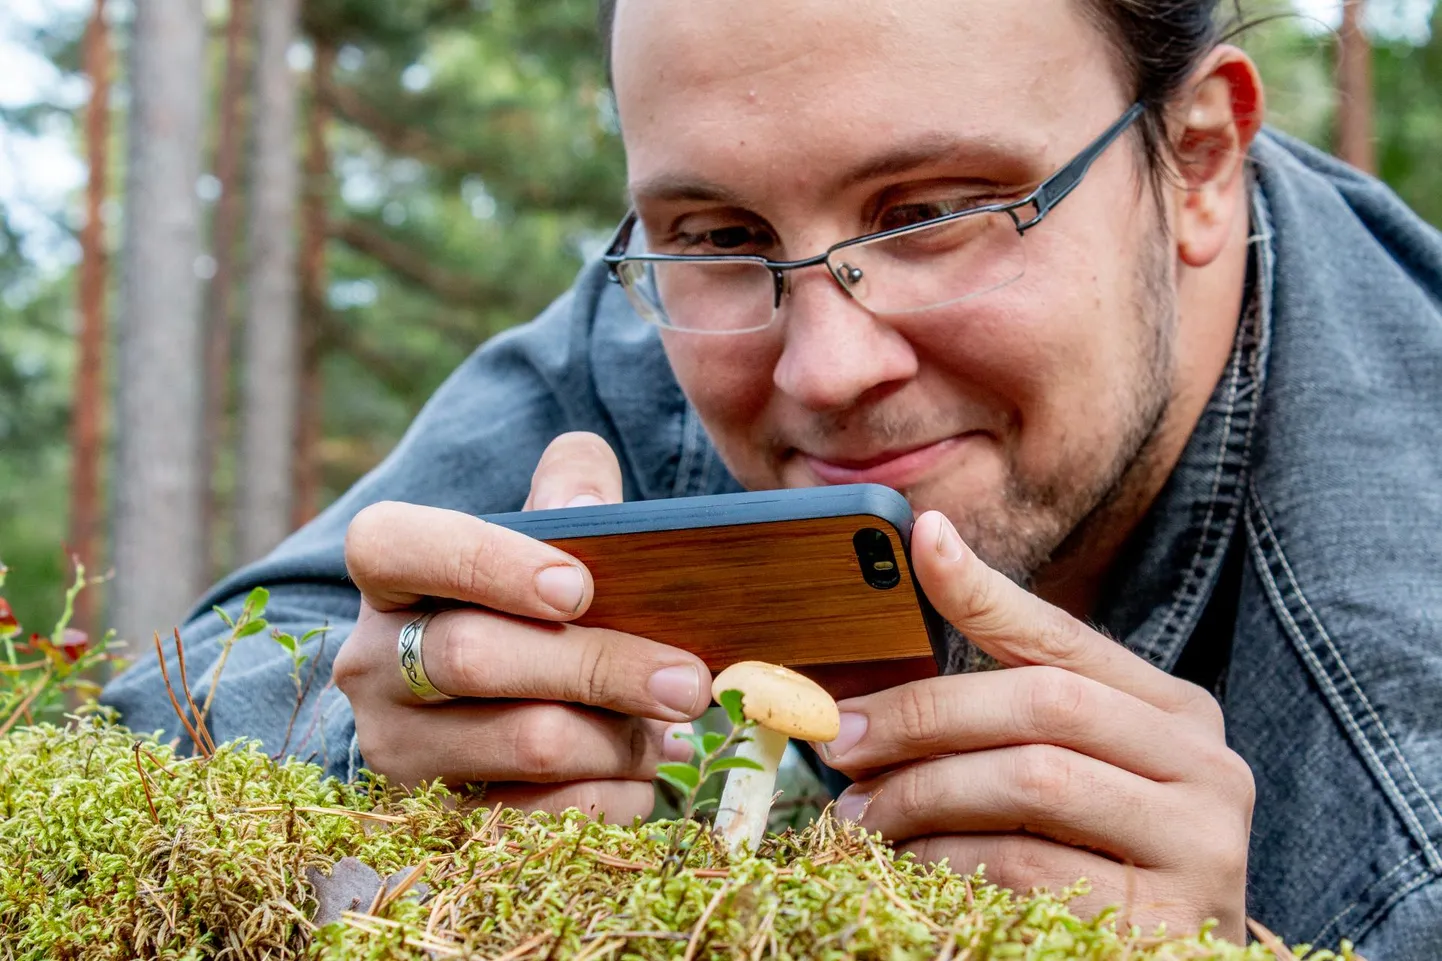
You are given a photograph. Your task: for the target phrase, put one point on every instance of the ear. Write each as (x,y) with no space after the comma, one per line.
(1211,131)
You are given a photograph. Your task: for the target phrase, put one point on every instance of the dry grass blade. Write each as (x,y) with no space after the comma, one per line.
(24,709)
(525,947)
(336,812)
(200,727)
(388,896)
(145,785)
(628,935)
(1270,941)
(373,925)
(195,738)
(600,950)
(700,927)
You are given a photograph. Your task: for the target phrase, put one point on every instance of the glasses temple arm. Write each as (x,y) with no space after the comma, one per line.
(1055,188)
(617,244)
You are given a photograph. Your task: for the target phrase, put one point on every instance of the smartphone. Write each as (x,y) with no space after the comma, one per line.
(809,577)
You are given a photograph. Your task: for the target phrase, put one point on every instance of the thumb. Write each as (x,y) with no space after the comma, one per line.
(576,469)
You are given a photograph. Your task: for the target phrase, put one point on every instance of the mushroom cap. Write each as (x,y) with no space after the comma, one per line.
(782,700)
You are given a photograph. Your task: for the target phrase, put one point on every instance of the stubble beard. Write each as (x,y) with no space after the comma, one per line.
(1063,515)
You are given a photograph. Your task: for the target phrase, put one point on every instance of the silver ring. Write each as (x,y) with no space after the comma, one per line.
(412,666)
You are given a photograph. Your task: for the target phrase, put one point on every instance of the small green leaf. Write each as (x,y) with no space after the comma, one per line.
(681,775)
(252,627)
(731,701)
(285,641)
(256,600)
(313,632)
(220,612)
(711,742)
(692,739)
(710,802)
(734,764)
(679,784)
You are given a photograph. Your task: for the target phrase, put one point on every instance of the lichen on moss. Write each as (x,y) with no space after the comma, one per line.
(113,847)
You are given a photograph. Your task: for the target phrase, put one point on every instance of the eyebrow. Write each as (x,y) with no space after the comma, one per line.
(924,151)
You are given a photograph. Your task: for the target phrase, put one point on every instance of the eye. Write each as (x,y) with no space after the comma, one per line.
(916,212)
(734,239)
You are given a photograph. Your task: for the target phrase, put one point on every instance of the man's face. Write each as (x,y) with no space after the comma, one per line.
(784,127)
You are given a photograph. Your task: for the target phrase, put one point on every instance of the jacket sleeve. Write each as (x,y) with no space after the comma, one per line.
(472,448)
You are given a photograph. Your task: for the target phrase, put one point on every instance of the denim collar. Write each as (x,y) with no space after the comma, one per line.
(1170,567)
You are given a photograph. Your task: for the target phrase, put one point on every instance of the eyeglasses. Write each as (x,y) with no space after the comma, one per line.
(906,269)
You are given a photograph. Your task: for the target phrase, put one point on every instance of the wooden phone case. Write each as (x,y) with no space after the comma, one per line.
(770,576)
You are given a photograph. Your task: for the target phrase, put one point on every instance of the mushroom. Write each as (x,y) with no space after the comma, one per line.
(784,704)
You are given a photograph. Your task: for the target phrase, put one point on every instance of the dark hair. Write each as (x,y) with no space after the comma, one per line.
(1157,43)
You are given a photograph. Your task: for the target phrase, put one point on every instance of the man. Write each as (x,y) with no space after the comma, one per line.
(1177,377)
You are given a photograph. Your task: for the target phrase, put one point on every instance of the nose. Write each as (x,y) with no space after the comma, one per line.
(835,351)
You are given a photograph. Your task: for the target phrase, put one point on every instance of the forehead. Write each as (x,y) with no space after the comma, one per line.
(767,88)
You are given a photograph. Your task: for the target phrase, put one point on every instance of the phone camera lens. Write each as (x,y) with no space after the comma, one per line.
(878,560)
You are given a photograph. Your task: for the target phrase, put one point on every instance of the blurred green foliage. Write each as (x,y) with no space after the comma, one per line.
(474,164)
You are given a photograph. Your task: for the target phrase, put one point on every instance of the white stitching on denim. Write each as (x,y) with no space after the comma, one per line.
(690,428)
(1194,574)
(1256,323)
(709,459)
(1347,672)
(1337,918)
(1323,678)
(1380,911)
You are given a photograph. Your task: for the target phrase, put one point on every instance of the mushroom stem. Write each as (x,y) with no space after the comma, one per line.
(746,799)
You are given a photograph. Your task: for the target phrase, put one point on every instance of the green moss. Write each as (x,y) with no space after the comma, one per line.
(112,847)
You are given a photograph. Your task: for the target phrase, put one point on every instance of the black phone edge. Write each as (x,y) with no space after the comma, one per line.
(749,507)
(713,510)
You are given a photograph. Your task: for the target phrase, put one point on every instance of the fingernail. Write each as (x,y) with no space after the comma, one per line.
(948,541)
(850,805)
(562,587)
(676,687)
(853,729)
(672,747)
(584,500)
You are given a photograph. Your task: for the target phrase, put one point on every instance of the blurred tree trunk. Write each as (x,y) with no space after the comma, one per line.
(314,230)
(1355,142)
(272,343)
(87,424)
(229,148)
(158,556)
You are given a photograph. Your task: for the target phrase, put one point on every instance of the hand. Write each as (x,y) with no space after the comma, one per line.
(1083,760)
(550,715)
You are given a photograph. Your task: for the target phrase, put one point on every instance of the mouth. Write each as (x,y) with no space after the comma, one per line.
(897,468)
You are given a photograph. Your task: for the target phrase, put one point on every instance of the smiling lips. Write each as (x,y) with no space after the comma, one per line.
(899,468)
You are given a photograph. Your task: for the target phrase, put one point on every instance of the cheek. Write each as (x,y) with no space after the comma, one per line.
(1047,345)
(728,381)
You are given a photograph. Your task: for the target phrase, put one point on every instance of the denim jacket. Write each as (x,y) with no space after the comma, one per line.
(1292,563)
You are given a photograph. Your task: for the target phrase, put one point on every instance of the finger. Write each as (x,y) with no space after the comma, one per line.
(1024,864)
(464,741)
(855,679)
(576,469)
(399,554)
(1019,862)
(1028,705)
(479,654)
(620,802)
(1017,628)
(1037,789)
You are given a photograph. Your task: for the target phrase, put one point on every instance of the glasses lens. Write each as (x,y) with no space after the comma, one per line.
(934,265)
(708,297)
